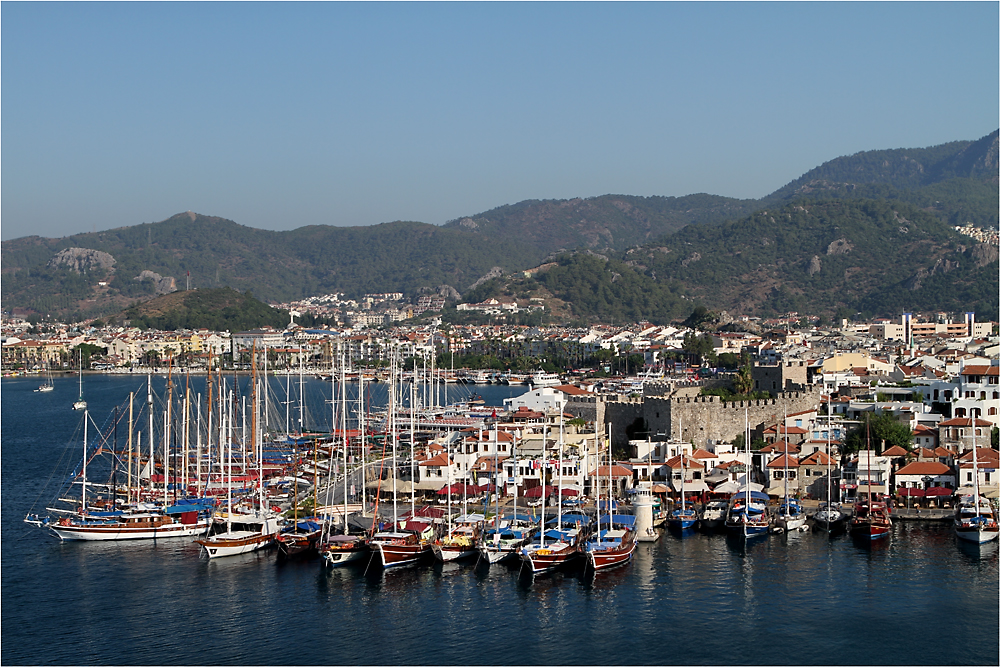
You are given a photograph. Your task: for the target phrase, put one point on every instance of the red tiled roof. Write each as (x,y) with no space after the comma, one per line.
(785,460)
(924,468)
(817,458)
(963,421)
(895,450)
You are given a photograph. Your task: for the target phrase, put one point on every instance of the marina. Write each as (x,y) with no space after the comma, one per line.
(684,584)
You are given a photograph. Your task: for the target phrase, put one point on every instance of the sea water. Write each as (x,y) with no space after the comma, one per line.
(920,597)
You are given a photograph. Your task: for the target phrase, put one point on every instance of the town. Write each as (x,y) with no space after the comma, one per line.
(678,403)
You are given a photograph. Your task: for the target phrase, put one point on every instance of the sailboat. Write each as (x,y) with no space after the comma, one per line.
(244,532)
(562,546)
(684,517)
(46,386)
(395,548)
(871,518)
(80,404)
(614,545)
(975,520)
(829,517)
(510,532)
(746,515)
(791,515)
(104,519)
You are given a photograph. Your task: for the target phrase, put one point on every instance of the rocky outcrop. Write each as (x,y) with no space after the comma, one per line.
(495,272)
(164,285)
(814,266)
(82,259)
(839,247)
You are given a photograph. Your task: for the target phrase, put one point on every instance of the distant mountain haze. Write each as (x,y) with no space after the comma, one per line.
(659,254)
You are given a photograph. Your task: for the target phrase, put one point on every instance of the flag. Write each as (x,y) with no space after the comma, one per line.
(494,415)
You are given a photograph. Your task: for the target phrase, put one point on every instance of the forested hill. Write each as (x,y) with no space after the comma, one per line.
(957,182)
(221,309)
(879,257)
(398,256)
(607,222)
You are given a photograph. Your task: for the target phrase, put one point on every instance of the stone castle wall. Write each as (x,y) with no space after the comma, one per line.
(706,418)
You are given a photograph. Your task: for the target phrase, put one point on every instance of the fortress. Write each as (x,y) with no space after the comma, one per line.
(670,410)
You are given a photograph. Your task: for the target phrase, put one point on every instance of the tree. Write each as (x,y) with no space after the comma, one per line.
(882,430)
(744,379)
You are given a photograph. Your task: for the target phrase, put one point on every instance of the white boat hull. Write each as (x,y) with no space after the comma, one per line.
(233,544)
(976,536)
(99,533)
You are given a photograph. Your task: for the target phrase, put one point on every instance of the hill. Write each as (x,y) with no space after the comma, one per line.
(614,222)
(57,276)
(222,309)
(94,274)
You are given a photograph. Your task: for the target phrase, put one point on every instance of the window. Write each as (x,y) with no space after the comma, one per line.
(968,476)
(779,474)
(791,474)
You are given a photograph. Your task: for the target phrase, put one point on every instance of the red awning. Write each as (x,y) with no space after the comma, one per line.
(536,491)
(460,488)
(939,491)
(912,493)
(569,492)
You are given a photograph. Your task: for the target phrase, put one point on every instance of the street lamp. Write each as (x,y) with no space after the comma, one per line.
(926,479)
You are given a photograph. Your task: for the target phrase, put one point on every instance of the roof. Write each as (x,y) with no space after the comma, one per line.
(439,460)
(780,446)
(963,421)
(690,462)
(981,370)
(571,390)
(817,458)
(924,468)
(895,450)
(784,461)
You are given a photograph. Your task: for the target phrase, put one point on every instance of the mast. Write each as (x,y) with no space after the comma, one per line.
(559,488)
(975,474)
(829,480)
(392,432)
(197,461)
(187,453)
(343,426)
(746,475)
(166,436)
(83,491)
(597,481)
(131,395)
(611,487)
(361,432)
(227,420)
(541,472)
(302,389)
(149,433)
(413,408)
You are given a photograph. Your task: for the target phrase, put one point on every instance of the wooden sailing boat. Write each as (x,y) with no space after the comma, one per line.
(871,518)
(975,520)
(615,545)
(247,532)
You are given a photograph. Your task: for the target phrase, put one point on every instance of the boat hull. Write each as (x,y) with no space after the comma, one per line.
(976,535)
(111,531)
(220,547)
(869,531)
(342,557)
(446,553)
(546,560)
(399,555)
(602,559)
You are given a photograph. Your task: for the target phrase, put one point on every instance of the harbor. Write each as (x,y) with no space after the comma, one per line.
(789,587)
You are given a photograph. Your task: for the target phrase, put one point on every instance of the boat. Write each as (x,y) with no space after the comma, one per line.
(503,541)
(243,534)
(684,517)
(871,520)
(302,541)
(612,546)
(713,515)
(830,518)
(398,548)
(46,386)
(461,542)
(340,550)
(746,513)
(561,549)
(543,379)
(975,520)
(791,516)
(80,404)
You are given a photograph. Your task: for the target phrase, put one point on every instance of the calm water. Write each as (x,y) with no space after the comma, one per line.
(921,598)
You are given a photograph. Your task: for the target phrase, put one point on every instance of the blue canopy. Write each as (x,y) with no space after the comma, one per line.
(623,519)
(571,518)
(190,505)
(754,495)
(116,513)
(308,525)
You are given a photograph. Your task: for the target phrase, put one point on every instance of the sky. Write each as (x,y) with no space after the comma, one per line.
(279,115)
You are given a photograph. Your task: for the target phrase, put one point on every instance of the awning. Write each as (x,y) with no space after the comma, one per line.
(939,491)
(659,488)
(696,486)
(569,492)
(911,493)
(536,491)
(779,490)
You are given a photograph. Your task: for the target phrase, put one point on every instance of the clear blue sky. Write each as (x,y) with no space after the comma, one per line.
(283,115)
